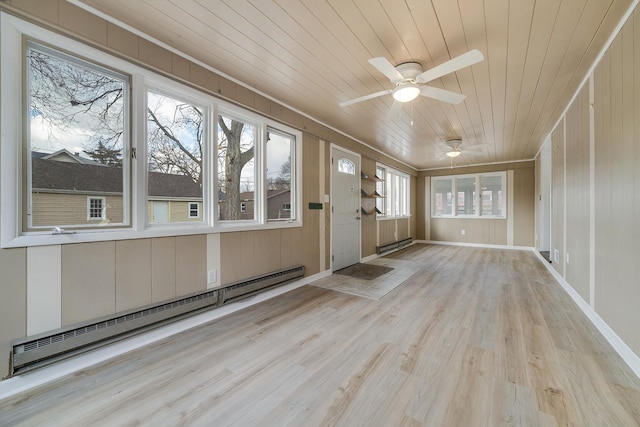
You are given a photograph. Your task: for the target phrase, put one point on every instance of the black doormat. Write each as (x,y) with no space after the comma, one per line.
(364,271)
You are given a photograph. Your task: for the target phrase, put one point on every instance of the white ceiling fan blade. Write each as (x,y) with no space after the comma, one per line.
(394,111)
(477,147)
(366,97)
(442,95)
(385,67)
(451,66)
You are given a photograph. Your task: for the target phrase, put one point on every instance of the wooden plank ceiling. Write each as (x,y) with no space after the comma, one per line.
(312,54)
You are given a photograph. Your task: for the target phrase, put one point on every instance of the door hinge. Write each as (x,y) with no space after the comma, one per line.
(332,258)
(133,153)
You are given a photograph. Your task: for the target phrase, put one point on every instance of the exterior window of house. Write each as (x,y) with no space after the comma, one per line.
(77,132)
(393,193)
(96,207)
(472,195)
(175,130)
(279,152)
(194,210)
(236,168)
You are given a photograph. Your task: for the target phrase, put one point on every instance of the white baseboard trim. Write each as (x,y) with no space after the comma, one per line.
(29,380)
(375,256)
(628,355)
(625,352)
(475,245)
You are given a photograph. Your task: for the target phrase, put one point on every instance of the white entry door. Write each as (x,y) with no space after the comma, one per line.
(345,208)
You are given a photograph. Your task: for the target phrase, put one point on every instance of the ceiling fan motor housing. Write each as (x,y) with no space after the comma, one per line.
(454,144)
(409,70)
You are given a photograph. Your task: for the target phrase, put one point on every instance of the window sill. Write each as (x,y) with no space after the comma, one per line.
(155,230)
(466,217)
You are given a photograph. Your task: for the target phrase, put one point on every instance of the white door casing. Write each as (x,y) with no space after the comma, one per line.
(345,208)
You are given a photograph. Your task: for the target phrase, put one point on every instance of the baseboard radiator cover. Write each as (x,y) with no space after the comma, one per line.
(394,245)
(40,350)
(249,287)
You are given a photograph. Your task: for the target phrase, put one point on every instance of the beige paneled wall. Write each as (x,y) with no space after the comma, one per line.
(577,194)
(557,196)
(419,210)
(524,196)
(617,184)
(403,227)
(602,239)
(490,231)
(13,301)
(368,227)
(485,231)
(386,231)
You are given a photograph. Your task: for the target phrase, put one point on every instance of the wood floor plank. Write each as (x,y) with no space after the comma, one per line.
(476,337)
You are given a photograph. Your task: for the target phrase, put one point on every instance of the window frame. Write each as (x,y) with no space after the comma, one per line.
(396,193)
(477,198)
(12,156)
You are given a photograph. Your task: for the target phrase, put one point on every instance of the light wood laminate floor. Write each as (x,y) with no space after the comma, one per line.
(476,337)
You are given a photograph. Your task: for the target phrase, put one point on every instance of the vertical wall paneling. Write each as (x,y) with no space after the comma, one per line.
(524,206)
(557,197)
(321,193)
(592,202)
(213,260)
(617,184)
(163,268)
(44,289)
(231,268)
(368,230)
(577,194)
(426,194)
(511,214)
(88,281)
(13,301)
(191,264)
(133,274)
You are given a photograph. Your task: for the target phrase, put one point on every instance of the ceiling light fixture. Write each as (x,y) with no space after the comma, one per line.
(406,92)
(453,153)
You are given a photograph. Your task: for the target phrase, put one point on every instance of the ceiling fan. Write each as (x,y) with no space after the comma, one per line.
(454,149)
(410,81)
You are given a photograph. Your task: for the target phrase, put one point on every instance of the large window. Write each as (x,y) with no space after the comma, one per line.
(76,140)
(280,147)
(95,143)
(236,169)
(175,130)
(477,195)
(393,191)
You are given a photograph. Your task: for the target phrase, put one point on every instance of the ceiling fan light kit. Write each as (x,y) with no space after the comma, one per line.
(406,93)
(453,153)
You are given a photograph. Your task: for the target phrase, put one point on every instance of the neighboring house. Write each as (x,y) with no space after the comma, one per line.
(278,205)
(68,189)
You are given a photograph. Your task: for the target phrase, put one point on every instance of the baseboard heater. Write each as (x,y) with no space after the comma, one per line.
(394,245)
(49,347)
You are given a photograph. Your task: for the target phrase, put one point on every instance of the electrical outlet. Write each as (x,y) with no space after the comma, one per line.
(556,256)
(567,256)
(463,232)
(212,276)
